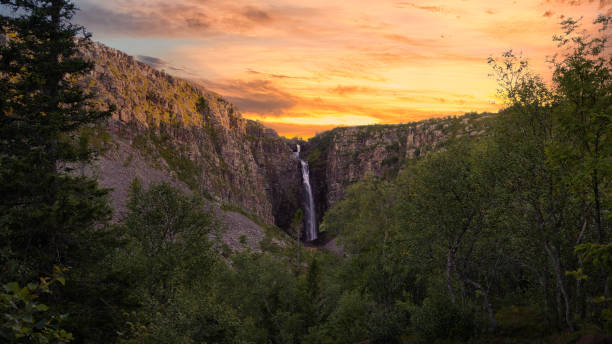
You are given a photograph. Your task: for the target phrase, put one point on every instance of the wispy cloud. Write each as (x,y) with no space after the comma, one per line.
(305,65)
(152,61)
(256,15)
(348,90)
(160,20)
(254,96)
(428,8)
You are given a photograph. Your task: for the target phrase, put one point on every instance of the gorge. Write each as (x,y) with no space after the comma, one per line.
(176,130)
(138,207)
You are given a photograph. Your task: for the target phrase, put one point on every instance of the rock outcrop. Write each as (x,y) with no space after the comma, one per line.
(344,155)
(195,136)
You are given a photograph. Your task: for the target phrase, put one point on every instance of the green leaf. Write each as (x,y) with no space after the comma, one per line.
(41,307)
(11,287)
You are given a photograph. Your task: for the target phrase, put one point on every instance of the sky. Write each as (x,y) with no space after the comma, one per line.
(306,66)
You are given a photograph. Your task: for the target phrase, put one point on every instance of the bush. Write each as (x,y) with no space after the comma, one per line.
(349,320)
(439,319)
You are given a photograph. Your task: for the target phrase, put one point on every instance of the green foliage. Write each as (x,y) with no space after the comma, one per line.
(172,264)
(316,158)
(348,322)
(465,244)
(361,218)
(164,222)
(176,156)
(597,257)
(583,81)
(264,290)
(47,212)
(439,319)
(25,318)
(204,108)
(250,216)
(297,224)
(473,241)
(49,126)
(521,321)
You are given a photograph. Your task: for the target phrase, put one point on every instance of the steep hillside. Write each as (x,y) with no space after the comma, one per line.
(344,155)
(194,136)
(175,130)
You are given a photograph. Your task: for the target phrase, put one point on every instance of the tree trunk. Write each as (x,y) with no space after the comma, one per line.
(449,267)
(600,235)
(492,319)
(544,282)
(486,302)
(560,285)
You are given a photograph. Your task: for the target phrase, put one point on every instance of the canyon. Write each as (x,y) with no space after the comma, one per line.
(174,130)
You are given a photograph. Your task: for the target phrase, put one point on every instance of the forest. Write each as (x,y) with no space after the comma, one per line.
(501,237)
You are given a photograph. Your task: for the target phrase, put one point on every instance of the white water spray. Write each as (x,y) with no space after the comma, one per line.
(310,215)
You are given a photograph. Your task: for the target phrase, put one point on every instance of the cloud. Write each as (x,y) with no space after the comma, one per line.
(347,90)
(256,15)
(602,3)
(420,7)
(298,130)
(266,104)
(334,61)
(158,20)
(275,76)
(195,18)
(152,61)
(407,40)
(158,63)
(434,100)
(256,96)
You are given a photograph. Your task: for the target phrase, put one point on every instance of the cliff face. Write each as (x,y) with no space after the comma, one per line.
(195,136)
(281,171)
(343,156)
(190,136)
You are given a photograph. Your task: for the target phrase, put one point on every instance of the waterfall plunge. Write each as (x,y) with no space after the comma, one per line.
(309,213)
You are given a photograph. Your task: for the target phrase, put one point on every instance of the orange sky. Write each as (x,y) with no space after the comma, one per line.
(302,67)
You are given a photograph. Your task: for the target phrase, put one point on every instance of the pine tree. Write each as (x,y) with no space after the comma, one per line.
(47,213)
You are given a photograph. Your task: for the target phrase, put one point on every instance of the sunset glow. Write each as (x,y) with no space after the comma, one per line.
(302,67)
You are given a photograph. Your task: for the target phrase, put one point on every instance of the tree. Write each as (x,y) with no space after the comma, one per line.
(583,81)
(48,214)
(172,266)
(25,319)
(170,231)
(450,212)
(556,140)
(297,225)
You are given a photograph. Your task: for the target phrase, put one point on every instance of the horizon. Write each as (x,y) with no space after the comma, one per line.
(306,67)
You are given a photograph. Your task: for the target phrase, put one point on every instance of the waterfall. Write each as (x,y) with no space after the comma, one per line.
(309,213)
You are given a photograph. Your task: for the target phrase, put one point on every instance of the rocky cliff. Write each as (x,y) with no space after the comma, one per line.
(171,129)
(194,136)
(344,155)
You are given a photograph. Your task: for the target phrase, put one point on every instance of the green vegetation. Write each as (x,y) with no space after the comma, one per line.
(49,216)
(25,318)
(498,237)
(491,237)
(160,146)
